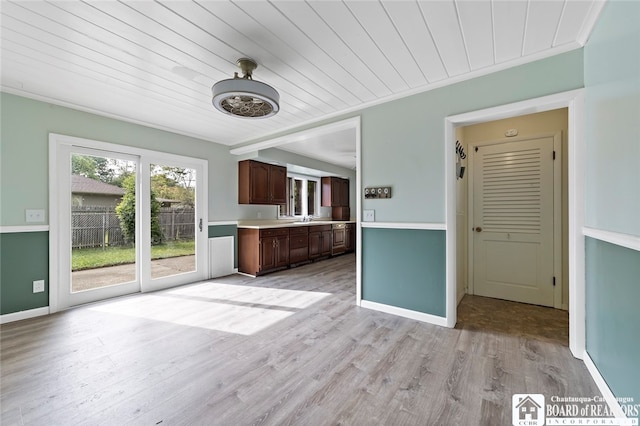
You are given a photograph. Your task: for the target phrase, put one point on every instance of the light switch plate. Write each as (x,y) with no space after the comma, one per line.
(368,215)
(34,215)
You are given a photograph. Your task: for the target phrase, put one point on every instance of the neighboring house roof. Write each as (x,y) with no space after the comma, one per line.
(85,185)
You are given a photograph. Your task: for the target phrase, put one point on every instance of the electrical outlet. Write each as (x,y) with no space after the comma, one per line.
(38,286)
(34,215)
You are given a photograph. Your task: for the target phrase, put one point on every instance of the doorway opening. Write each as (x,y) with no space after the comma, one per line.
(573,101)
(511,213)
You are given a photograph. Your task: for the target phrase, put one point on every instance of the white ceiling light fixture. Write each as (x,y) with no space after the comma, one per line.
(243,96)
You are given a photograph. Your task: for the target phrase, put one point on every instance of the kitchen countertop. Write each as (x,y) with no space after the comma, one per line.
(265,224)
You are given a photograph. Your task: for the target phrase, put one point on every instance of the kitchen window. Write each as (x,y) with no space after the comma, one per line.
(303,195)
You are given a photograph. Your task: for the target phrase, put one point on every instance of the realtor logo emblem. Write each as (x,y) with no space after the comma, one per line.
(528,409)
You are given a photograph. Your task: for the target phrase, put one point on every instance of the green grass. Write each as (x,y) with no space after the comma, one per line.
(90,258)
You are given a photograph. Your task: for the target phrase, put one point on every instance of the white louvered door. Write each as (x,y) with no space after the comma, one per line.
(513,238)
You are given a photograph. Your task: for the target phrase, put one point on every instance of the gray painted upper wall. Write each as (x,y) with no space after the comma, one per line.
(24,157)
(612,82)
(402,143)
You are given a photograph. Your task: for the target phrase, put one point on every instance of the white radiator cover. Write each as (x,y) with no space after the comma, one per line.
(221,254)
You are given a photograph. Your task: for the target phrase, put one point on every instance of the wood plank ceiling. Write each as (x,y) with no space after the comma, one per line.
(155,62)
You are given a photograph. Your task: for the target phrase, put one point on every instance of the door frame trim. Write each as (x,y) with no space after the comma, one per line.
(557,207)
(574,101)
(55,142)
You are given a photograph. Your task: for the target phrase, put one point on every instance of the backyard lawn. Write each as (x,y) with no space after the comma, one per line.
(89,258)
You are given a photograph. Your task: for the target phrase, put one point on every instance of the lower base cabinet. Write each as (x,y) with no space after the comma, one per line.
(261,251)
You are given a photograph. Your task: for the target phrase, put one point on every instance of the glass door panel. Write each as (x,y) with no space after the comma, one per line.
(103,220)
(173,223)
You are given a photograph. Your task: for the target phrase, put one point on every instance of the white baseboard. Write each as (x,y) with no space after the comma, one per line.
(17,316)
(402,312)
(612,402)
(460,296)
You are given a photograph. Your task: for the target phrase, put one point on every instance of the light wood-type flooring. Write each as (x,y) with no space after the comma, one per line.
(286,348)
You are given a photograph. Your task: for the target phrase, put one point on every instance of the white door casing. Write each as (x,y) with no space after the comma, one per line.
(516,217)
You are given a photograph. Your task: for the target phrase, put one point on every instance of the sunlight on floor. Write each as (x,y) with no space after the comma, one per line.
(216,306)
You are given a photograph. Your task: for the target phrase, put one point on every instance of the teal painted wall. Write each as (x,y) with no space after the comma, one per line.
(227,231)
(612,194)
(613,292)
(405,268)
(612,83)
(24,258)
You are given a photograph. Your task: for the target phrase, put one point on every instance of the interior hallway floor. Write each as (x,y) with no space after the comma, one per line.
(287,348)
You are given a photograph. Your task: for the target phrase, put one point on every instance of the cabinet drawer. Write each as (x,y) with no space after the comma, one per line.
(320,228)
(299,230)
(298,241)
(274,232)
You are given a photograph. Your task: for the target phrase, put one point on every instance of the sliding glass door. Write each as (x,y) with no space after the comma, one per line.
(124,222)
(175,235)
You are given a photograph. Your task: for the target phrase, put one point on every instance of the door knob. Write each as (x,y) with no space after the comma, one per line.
(478,229)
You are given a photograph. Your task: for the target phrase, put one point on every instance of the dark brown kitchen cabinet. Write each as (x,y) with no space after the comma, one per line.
(350,237)
(261,183)
(335,192)
(298,244)
(320,241)
(262,251)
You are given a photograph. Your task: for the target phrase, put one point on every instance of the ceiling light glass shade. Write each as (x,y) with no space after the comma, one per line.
(245,98)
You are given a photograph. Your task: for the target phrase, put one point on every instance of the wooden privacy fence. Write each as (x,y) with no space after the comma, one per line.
(93,226)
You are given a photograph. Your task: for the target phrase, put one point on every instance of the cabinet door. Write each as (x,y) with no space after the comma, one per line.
(350,237)
(267,253)
(344,193)
(325,242)
(335,191)
(314,244)
(282,252)
(259,183)
(278,185)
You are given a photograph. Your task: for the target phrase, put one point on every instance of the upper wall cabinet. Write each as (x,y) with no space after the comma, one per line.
(261,183)
(335,192)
